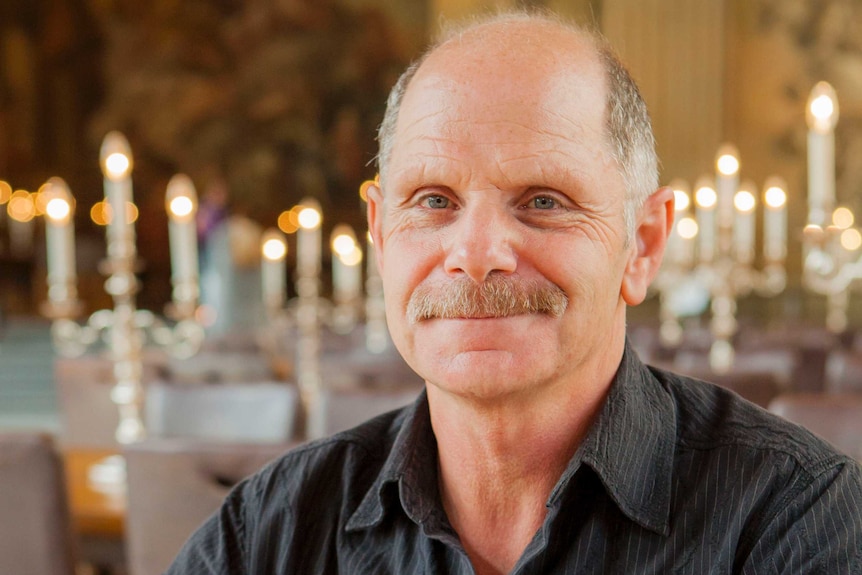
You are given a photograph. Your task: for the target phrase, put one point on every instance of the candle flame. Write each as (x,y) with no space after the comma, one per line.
(681,201)
(822,112)
(117,165)
(274,249)
(5,192)
(58,209)
(181,206)
(309,218)
(851,240)
(727,164)
(352,258)
(21,207)
(775,197)
(705,197)
(343,244)
(687,228)
(843,218)
(744,201)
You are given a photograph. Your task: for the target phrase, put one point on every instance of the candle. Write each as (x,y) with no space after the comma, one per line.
(346,271)
(308,239)
(21,210)
(676,245)
(116,161)
(273,283)
(376,332)
(726,186)
(60,241)
(743,229)
(775,220)
(705,201)
(822,116)
(181,203)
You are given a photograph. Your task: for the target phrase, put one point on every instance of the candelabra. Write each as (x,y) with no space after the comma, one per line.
(724,268)
(830,264)
(123,329)
(309,312)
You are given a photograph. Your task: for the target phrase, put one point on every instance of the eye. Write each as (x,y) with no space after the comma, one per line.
(436,202)
(543,203)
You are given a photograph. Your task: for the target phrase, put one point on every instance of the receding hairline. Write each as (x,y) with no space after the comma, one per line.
(481,28)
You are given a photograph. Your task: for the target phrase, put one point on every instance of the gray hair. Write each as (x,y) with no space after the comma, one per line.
(627,124)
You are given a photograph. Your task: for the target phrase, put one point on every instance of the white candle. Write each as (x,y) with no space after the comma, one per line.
(726,184)
(308,239)
(675,243)
(273,268)
(705,201)
(775,220)
(181,204)
(116,160)
(821,115)
(370,259)
(346,269)
(743,228)
(60,240)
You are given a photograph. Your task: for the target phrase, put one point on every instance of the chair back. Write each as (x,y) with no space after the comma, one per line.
(837,418)
(88,416)
(844,371)
(225,412)
(35,528)
(174,485)
(348,407)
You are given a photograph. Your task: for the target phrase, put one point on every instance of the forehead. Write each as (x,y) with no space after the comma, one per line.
(509,86)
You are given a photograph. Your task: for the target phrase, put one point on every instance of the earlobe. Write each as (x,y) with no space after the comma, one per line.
(653,227)
(374,196)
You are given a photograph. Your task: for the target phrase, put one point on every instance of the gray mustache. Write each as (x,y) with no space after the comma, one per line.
(498,296)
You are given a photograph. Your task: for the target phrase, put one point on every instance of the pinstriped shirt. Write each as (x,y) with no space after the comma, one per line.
(675,476)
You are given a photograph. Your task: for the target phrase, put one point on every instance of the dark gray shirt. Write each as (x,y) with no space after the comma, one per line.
(675,476)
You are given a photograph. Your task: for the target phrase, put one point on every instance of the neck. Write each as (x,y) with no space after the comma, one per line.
(499,461)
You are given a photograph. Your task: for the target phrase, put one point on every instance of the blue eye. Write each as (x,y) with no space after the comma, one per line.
(544,203)
(436,202)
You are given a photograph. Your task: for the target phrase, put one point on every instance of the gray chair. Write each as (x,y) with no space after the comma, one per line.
(35,527)
(88,417)
(174,485)
(758,376)
(844,371)
(837,418)
(227,412)
(348,407)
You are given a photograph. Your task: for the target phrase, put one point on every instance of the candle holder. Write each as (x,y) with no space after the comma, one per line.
(124,329)
(307,313)
(830,240)
(723,235)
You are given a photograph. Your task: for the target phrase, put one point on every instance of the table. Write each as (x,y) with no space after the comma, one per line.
(98,517)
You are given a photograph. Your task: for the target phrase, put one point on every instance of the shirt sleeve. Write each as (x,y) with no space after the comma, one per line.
(816,530)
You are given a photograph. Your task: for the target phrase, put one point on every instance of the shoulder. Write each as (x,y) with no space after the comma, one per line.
(347,462)
(710,416)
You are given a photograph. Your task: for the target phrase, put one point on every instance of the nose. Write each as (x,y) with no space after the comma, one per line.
(483,240)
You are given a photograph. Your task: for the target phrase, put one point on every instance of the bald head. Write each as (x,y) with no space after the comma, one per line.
(524,48)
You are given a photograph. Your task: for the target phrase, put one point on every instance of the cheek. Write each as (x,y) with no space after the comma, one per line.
(407,262)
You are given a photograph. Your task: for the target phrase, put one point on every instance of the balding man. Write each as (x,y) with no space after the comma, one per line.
(516,217)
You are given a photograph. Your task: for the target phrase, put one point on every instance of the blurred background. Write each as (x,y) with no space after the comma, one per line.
(266,104)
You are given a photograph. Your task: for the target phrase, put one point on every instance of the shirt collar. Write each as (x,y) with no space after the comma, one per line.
(630,447)
(412,464)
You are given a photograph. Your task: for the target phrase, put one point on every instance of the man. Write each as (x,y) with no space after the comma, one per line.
(515,219)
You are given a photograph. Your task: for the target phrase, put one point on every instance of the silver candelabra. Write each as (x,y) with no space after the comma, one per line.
(714,253)
(124,329)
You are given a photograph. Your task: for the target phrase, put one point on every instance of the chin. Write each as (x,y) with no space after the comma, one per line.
(482,376)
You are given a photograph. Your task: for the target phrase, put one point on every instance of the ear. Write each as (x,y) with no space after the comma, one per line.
(375,220)
(654,223)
